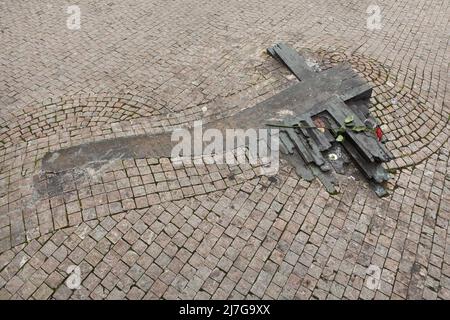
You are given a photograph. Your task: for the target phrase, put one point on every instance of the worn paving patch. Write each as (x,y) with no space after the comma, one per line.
(142,227)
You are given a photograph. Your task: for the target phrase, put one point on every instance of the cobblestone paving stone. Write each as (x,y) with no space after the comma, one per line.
(151,229)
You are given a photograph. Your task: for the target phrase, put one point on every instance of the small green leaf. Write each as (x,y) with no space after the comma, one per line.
(341,130)
(349,119)
(359,128)
(340,138)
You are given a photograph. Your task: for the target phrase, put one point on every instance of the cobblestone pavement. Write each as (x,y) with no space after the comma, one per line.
(147,228)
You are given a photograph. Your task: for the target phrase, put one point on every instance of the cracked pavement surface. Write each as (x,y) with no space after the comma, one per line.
(147,228)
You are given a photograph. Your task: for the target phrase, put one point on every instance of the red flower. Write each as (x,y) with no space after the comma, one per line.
(379,133)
